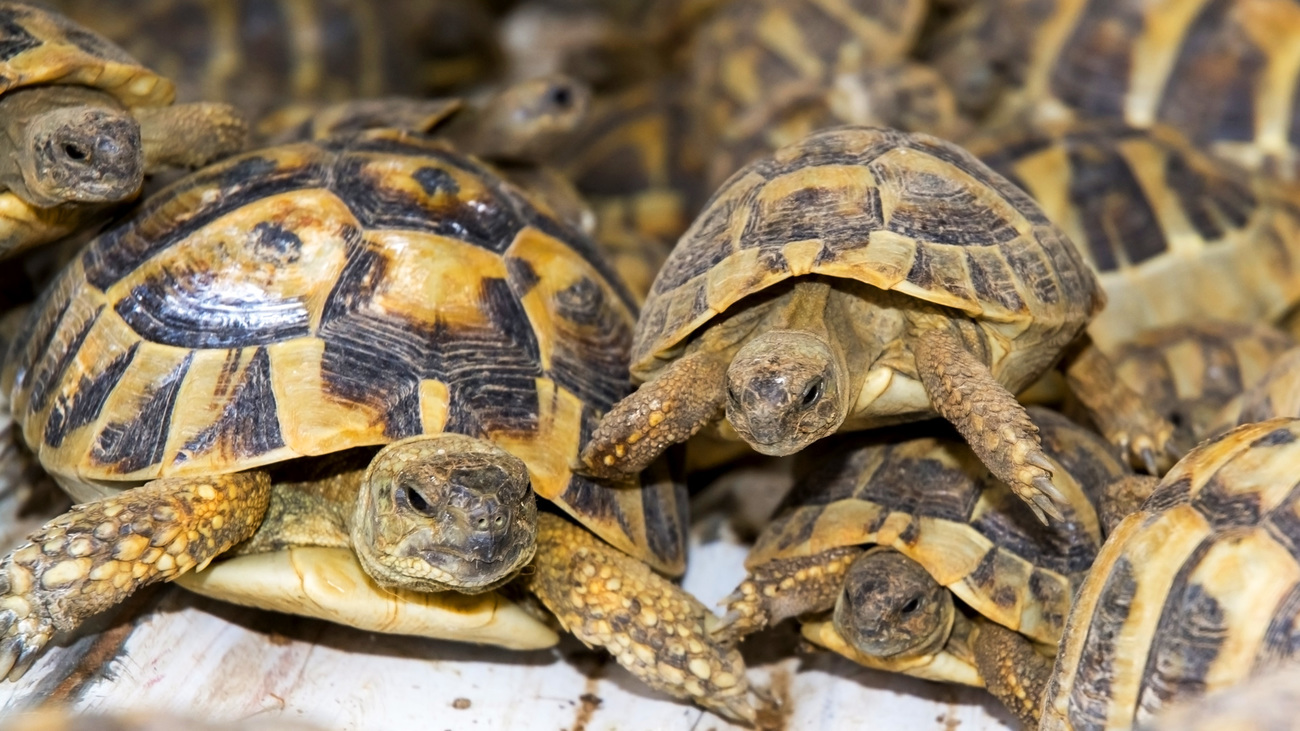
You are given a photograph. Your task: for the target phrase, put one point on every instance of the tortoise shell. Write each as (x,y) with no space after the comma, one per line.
(39,47)
(903,212)
(1156,219)
(1222,72)
(934,501)
(1193,593)
(310,298)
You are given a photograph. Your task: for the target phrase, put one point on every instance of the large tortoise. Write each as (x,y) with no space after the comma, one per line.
(857,278)
(83,122)
(246,344)
(893,532)
(1195,592)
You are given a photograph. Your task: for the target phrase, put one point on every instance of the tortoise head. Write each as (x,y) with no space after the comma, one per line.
(73,145)
(525,121)
(785,390)
(445,512)
(891,606)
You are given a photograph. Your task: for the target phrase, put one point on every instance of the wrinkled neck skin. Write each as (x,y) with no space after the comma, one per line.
(313,506)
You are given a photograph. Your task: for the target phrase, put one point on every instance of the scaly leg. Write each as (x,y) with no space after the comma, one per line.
(1119,412)
(681,400)
(1124,496)
(1013,671)
(94,556)
(190,135)
(997,427)
(785,587)
(653,628)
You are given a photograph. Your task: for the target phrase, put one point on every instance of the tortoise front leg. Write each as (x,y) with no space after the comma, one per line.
(189,135)
(997,427)
(94,556)
(1013,671)
(650,625)
(785,587)
(681,399)
(1119,412)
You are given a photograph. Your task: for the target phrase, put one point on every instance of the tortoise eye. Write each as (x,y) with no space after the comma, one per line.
(812,392)
(912,605)
(416,500)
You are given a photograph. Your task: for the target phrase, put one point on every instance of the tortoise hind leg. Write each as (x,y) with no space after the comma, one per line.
(94,556)
(680,400)
(190,135)
(651,626)
(1012,670)
(1128,422)
(997,427)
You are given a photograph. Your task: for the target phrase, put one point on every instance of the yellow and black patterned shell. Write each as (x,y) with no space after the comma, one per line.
(903,212)
(934,501)
(1157,219)
(39,47)
(1193,593)
(1224,72)
(310,298)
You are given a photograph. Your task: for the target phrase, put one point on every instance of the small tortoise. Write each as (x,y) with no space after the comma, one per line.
(1275,394)
(1224,73)
(1195,592)
(369,342)
(889,532)
(857,278)
(1159,220)
(766,73)
(83,122)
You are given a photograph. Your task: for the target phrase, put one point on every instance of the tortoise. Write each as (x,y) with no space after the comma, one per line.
(266,56)
(1157,219)
(1275,394)
(444,347)
(1221,73)
(83,123)
(881,536)
(764,74)
(857,278)
(1195,592)
(1268,701)
(1190,372)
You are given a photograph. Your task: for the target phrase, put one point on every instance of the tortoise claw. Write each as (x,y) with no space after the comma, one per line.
(1148,457)
(1045,502)
(21,643)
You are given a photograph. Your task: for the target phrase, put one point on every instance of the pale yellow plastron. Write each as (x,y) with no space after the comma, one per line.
(329,584)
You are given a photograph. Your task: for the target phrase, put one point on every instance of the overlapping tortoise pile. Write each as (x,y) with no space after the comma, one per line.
(457,299)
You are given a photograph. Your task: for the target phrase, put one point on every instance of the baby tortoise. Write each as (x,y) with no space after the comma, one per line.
(1195,592)
(886,533)
(82,123)
(857,278)
(1223,73)
(1157,220)
(370,342)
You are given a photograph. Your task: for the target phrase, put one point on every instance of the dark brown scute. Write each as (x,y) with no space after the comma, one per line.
(1088,705)
(1283,522)
(1225,508)
(1217,104)
(1209,197)
(922,488)
(436,180)
(994,282)
(596,502)
(249,425)
(1096,60)
(40,325)
(665,507)
(138,442)
(1191,633)
(1032,268)
(1117,218)
(55,362)
(87,399)
(1281,642)
(589,356)
(1168,495)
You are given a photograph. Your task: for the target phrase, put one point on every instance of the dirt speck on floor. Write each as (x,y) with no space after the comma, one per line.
(461,704)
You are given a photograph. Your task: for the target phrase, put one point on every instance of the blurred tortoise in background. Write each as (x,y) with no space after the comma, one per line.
(1161,223)
(886,533)
(268,55)
(1196,592)
(83,123)
(1223,73)
(368,342)
(858,278)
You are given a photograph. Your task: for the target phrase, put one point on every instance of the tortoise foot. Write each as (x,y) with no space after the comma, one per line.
(651,626)
(785,587)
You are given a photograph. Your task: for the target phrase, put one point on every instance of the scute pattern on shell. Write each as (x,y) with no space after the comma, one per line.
(1195,592)
(896,211)
(39,47)
(304,299)
(931,499)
